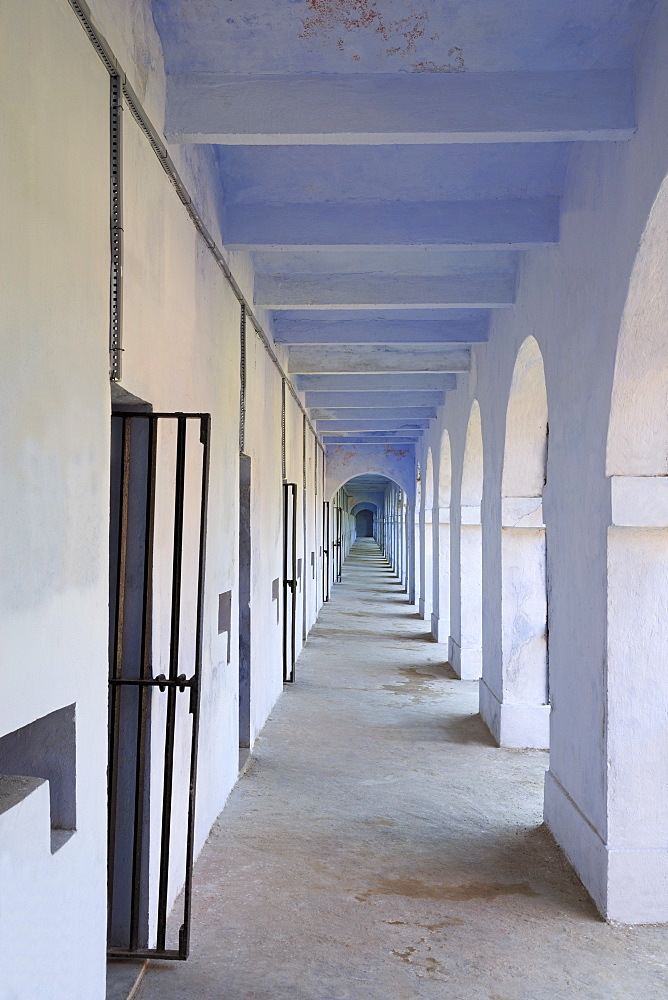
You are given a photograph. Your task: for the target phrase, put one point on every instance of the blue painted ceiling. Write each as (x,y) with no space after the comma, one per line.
(387,163)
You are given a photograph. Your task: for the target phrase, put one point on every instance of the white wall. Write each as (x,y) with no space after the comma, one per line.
(181,352)
(54,488)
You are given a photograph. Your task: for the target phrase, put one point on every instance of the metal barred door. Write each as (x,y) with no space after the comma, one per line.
(289,580)
(159,487)
(325,551)
(339,543)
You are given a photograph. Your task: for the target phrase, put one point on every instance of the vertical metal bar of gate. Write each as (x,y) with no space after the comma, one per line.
(325,551)
(339,543)
(127,674)
(289,580)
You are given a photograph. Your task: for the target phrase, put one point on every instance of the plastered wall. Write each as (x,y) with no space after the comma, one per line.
(181,352)
(54,488)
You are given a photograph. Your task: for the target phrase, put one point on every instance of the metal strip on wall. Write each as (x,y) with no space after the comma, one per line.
(115,226)
(113,67)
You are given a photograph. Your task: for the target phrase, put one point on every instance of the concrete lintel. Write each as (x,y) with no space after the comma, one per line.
(520,223)
(360,331)
(377,382)
(333,360)
(340,400)
(367,438)
(371,424)
(379,108)
(322,414)
(486,290)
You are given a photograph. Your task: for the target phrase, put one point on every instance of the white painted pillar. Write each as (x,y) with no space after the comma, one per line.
(637,701)
(514,692)
(428,589)
(465,656)
(440,615)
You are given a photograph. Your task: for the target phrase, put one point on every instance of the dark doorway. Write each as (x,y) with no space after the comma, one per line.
(364,524)
(244,600)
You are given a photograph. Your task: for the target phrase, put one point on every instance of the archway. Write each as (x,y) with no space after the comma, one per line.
(440,615)
(637,639)
(514,688)
(465,650)
(415,526)
(364,521)
(426,542)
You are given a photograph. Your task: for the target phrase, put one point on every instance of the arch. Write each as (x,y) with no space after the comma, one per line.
(637,586)
(445,471)
(364,523)
(341,479)
(429,482)
(364,505)
(514,699)
(465,650)
(472,469)
(426,542)
(638,431)
(440,616)
(525,451)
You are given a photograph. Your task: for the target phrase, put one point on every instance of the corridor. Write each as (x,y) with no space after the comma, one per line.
(380,847)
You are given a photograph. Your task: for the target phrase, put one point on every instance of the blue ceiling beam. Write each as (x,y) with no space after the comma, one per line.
(371,425)
(484,224)
(322,414)
(342,400)
(374,382)
(377,360)
(486,290)
(395,108)
(473,329)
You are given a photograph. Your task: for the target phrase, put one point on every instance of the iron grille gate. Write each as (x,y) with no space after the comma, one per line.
(325,550)
(159,488)
(338,544)
(289,580)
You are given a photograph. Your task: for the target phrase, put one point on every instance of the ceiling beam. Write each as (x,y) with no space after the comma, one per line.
(502,223)
(372,291)
(370,438)
(415,108)
(306,360)
(371,425)
(342,400)
(374,413)
(360,331)
(360,382)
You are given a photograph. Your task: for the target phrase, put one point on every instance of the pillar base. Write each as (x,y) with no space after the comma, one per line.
(521,727)
(627,885)
(466,663)
(424,609)
(438,628)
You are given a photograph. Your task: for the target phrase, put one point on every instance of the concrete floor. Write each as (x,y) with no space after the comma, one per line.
(379,847)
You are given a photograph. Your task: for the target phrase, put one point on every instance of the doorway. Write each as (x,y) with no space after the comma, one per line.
(244,601)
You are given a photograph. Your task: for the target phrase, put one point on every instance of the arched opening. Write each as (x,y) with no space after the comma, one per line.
(514,688)
(417,555)
(371,506)
(426,542)
(465,650)
(364,524)
(637,637)
(440,616)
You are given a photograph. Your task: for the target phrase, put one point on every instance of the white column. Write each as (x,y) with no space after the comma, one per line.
(440,615)
(514,693)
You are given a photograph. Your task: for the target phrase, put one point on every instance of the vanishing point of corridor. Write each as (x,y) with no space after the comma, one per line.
(380,847)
